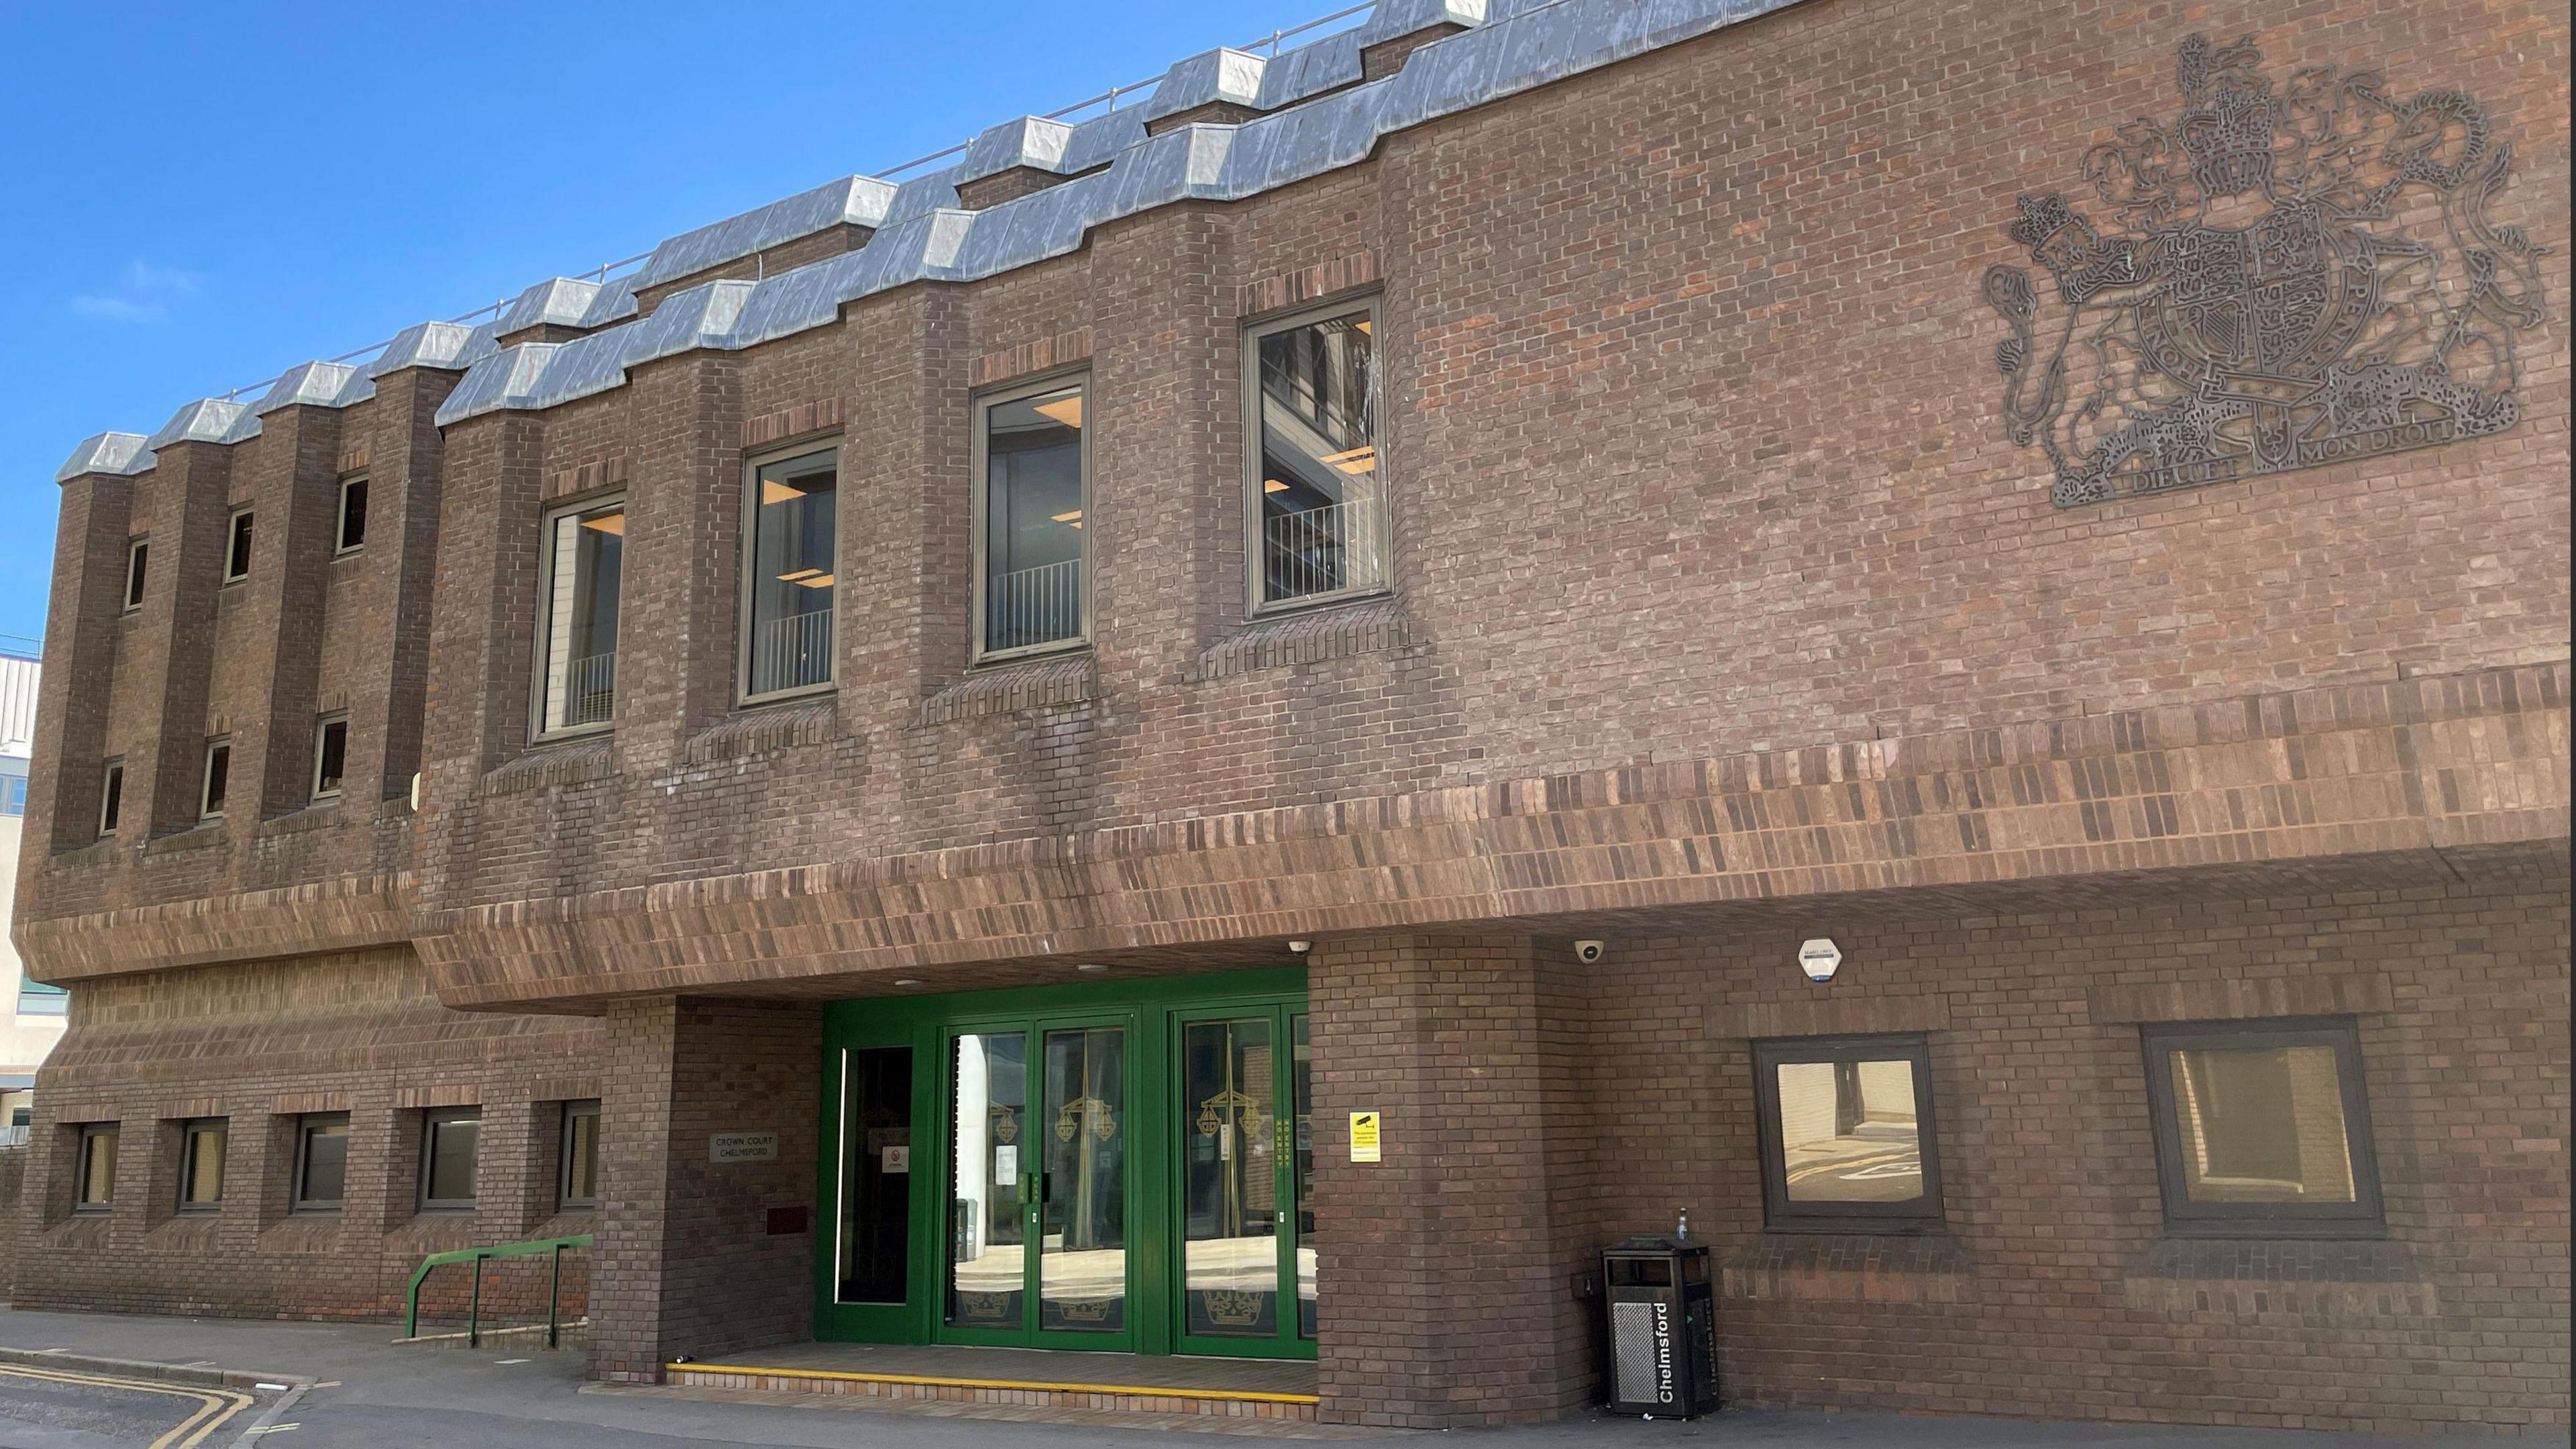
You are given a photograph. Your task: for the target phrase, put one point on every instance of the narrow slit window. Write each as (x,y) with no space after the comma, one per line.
(585,559)
(1318,505)
(237,548)
(321,1162)
(353,515)
(201,1165)
(138,554)
(330,755)
(111,797)
(578,1186)
(219,769)
(794,577)
(1035,502)
(94,1176)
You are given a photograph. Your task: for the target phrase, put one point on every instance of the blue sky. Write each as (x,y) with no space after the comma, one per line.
(195,197)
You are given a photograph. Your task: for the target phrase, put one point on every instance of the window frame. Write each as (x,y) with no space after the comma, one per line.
(431,1120)
(340,545)
(111,796)
(2364,1217)
(1248,362)
(208,809)
(747,555)
(537,730)
(980,486)
(296,1187)
(91,1134)
(236,550)
(321,728)
(138,562)
(1779,1213)
(189,1131)
(565,1199)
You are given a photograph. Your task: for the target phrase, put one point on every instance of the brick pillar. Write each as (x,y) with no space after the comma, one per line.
(689,1258)
(404,466)
(1443,1280)
(676,645)
(71,717)
(173,642)
(295,505)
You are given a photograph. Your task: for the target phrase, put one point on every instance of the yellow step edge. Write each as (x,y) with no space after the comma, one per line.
(1250,1396)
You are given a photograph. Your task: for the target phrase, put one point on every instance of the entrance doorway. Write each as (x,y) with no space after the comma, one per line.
(1112,1167)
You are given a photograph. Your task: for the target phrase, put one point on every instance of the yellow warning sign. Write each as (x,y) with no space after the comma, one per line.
(1364,1135)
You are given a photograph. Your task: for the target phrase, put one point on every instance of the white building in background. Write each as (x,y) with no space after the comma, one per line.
(31,1015)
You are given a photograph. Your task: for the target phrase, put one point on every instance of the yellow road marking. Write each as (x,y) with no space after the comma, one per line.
(1221,1395)
(214,1406)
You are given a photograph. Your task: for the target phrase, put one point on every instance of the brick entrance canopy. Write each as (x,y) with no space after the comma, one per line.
(1722,608)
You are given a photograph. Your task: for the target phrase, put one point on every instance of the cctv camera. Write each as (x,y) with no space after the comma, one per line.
(1588,952)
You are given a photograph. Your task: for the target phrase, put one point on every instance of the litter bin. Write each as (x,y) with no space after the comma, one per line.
(1663,1327)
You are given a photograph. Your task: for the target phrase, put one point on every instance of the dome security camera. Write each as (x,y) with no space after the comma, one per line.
(1589,952)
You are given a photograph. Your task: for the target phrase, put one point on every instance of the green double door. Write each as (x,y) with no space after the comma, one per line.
(1118,1168)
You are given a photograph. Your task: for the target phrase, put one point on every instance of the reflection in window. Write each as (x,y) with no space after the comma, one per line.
(585,550)
(1846,1132)
(35,998)
(450,1137)
(201,1165)
(1321,509)
(1033,519)
(987,1266)
(1230,1181)
(2261,1123)
(94,1176)
(330,755)
(218,778)
(578,1185)
(13,785)
(794,573)
(321,1161)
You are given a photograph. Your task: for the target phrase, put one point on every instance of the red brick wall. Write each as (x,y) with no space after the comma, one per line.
(2056,1291)
(260,1045)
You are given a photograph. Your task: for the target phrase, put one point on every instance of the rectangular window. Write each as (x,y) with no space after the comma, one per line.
(111,797)
(330,755)
(353,514)
(1847,1134)
(321,1162)
(201,1165)
(137,554)
(2262,1127)
(1035,469)
(35,998)
(94,1178)
(578,1185)
(1317,503)
(237,549)
(13,785)
(577,654)
(219,769)
(793,532)
(448,1146)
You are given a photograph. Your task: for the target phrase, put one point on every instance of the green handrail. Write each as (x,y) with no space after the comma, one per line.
(474,1309)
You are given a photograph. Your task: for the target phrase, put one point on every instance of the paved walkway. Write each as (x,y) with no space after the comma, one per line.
(367,1392)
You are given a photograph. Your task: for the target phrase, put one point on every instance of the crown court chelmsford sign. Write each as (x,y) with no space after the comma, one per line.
(2278,279)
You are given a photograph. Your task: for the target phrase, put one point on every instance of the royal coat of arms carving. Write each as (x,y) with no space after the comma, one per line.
(2279,279)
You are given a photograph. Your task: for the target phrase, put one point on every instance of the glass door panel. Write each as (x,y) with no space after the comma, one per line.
(1229,1179)
(1302,1141)
(1082,1269)
(876,1174)
(987,1263)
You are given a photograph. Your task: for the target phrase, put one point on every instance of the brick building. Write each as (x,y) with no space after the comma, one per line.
(2072,512)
